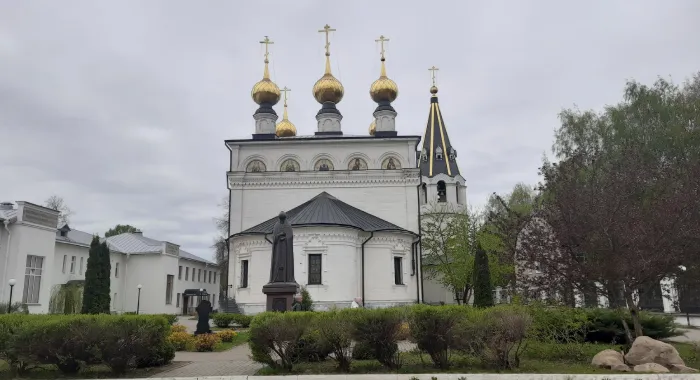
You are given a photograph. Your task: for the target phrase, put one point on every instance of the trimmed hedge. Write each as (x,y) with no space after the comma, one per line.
(72,342)
(224,320)
(496,335)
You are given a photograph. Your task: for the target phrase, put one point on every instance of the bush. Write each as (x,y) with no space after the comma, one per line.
(335,334)
(379,328)
(181,341)
(307,303)
(16,307)
(178,328)
(279,333)
(437,331)
(206,342)
(171,318)
(504,329)
(72,341)
(242,319)
(227,335)
(364,351)
(223,320)
(564,352)
(404,332)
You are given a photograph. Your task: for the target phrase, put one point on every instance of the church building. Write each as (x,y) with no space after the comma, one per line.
(353,201)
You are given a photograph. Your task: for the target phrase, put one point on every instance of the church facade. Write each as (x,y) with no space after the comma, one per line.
(353,201)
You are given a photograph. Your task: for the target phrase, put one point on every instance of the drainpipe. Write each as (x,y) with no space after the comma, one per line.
(7,254)
(419,254)
(126,278)
(371,235)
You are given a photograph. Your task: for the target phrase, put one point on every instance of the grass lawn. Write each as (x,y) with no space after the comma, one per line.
(239,339)
(91,372)
(536,358)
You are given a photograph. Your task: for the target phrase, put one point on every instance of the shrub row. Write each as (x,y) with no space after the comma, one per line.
(496,335)
(72,342)
(224,320)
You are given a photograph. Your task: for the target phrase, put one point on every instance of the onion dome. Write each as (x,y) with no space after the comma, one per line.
(383,90)
(266,91)
(328,89)
(285,128)
(373,127)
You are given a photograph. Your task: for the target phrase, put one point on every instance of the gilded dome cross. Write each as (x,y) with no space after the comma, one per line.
(285,90)
(267,43)
(381,41)
(327,29)
(433,69)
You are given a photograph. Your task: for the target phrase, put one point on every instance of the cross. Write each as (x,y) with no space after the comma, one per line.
(285,90)
(433,69)
(327,29)
(382,40)
(267,43)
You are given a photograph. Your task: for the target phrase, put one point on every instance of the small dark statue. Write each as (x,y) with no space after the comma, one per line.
(282,266)
(203,311)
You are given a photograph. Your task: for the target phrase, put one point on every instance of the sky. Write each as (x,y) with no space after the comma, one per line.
(122,107)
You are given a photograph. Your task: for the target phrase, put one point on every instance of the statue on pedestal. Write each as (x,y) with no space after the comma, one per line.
(282,286)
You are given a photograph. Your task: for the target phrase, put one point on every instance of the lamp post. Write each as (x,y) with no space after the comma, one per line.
(200,295)
(12,283)
(138,300)
(687,313)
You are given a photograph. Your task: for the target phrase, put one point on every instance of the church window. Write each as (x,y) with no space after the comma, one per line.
(438,153)
(255,166)
(452,153)
(398,271)
(323,165)
(289,166)
(391,163)
(424,193)
(442,191)
(244,273)
(357,164)
(457,193)
(314,269)
(187,273)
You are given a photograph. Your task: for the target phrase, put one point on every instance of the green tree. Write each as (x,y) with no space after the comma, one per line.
(96,298)
(121,229)
(483,291)
(307,302)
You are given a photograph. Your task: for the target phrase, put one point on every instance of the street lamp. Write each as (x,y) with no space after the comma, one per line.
(12,283)
(138,300)
(687,313)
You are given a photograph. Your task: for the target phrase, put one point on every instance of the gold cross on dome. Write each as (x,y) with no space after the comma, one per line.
(433,69)
(267,43)
(285,90)
(327,29)
(381,41)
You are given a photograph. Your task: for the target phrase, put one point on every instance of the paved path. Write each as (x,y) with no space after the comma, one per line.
(689,335)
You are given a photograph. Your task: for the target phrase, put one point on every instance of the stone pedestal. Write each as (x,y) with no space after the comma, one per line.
(280,295)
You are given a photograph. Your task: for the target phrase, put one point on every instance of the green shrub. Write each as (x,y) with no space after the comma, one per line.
(307,303)
(574,352)
(310,348)
(206,342)
(227,335)
(605,326)
(279,333)
(157,356)
(364,351)
(558,324)
(126,339)
(503,331)
(335,331)
(223,320)
(380,328)
(171,318)
(181,340)
(242,320)
(436,330)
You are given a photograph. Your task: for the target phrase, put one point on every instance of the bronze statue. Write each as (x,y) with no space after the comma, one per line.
(282,266)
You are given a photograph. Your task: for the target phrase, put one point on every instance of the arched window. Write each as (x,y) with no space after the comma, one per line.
(424,193)
(289,165)
(391,163)
(442,191)
(255,166)
(438,153)
(323,165)
(357,164)
(457,193)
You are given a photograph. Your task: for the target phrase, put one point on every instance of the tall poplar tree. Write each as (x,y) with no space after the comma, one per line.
(96,298)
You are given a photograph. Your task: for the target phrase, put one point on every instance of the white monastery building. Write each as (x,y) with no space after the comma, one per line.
(43,259)
(353,201)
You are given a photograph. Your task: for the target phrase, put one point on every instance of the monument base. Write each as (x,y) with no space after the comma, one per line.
(280,295)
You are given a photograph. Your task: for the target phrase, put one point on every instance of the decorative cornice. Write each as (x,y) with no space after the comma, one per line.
(346,178)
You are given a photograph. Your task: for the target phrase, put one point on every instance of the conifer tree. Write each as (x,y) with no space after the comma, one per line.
(96,298)
(483,292)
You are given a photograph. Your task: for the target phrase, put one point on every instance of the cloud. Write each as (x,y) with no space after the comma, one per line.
(122,107)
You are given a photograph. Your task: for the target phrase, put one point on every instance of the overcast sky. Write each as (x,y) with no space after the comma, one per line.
(122,107)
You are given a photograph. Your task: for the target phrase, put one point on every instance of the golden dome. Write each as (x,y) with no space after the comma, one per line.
(265,91)
(383,89)
(433,89)
(328,89)
(285,128)
(373,127)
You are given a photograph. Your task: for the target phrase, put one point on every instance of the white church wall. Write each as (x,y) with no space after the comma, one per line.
(340,250)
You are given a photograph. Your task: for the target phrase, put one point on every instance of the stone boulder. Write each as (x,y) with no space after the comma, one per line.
(651,367)
(677,368)
(608,359)
(646,350)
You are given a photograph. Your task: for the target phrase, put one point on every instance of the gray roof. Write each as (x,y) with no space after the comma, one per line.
(134,243)
(8,214)
(188,256)
(74,237)
(327,210)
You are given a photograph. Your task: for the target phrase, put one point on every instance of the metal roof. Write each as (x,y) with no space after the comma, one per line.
(189,256)
(74,237)
(8,215)
(327,210)
(435,157)
(134,243)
